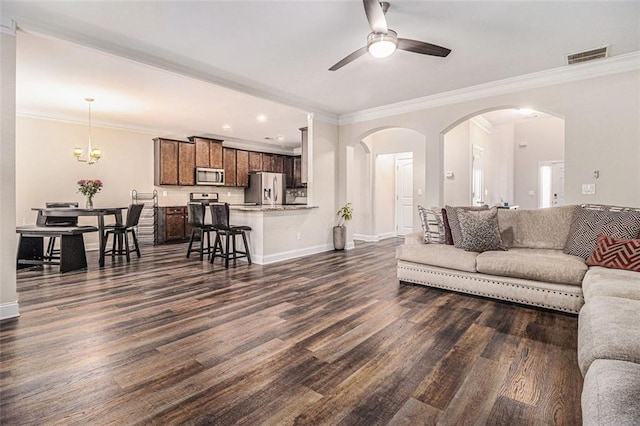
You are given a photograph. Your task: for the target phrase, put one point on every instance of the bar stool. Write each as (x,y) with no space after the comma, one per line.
(133,217)
(52,252)
(196,213)
(220,220)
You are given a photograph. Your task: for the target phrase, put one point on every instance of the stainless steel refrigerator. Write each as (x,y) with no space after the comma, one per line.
(265,188)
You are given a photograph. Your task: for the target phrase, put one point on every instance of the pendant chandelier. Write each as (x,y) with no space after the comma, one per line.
(93,154)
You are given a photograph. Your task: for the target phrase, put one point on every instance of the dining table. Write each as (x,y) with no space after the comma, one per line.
(99,212)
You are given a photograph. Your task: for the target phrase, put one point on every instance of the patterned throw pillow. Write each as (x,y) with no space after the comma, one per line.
(448,239)
(588,224)
(452,217)
(432,225)
(479,229)
(616,254)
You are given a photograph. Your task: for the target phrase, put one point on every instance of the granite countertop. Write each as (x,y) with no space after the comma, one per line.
(267,208)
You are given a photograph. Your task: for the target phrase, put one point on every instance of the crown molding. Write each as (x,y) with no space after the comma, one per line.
(8,26)
(482,123)
(157,132)
(565,74)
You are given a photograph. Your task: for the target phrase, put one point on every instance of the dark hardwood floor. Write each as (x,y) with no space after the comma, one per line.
(331,338)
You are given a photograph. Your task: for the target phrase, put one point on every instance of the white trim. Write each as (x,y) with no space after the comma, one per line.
(375,238)
(9,310)
(292,254)
(8,27)
(484,124)
(242,144)
(564,74)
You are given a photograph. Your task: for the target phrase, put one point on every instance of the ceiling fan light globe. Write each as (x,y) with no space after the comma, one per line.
(382,45)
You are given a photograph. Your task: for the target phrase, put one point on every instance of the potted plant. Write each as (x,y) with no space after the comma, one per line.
(345,214)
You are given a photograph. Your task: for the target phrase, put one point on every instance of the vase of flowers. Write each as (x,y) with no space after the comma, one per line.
(345,214)
(89,188)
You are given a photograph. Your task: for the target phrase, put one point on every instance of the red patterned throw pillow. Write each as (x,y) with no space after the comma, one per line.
(616,253)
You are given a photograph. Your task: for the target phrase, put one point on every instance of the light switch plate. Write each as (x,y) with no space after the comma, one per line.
(588,188)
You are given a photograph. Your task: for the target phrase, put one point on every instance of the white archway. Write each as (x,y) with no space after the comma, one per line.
(494,156)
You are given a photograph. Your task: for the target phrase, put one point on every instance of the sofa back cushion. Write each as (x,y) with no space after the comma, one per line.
(542,228)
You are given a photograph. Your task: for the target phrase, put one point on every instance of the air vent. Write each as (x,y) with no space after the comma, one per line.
(588,55)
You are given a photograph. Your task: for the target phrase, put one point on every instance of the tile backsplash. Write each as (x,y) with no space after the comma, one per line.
(179,195)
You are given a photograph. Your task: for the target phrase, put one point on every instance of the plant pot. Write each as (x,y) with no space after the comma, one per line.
(339,237)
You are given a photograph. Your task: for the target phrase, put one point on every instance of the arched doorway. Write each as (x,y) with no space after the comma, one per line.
(507,155)
(385,182)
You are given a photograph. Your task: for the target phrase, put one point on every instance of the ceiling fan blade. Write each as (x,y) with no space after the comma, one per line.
(375,16)
(422,47)
(349,58)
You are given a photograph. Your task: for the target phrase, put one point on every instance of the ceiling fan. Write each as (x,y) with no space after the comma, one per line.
(383,41)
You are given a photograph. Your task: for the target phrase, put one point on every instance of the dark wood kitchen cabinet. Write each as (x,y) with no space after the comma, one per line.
(173,224)
(166,162)
(229,162)
(186,164)
(268,162)
(242,168)
(297,172)
(255,161)
(278,163)
(208,152)
(174,162)
(288,171)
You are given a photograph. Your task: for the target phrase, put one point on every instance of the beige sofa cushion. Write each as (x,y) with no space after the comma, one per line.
(611,393)
(440,255)
(533,264)
(543,228)
(600,281)
(608,329)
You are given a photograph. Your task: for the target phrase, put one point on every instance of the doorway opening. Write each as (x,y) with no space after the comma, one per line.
(551,184)
(404,193)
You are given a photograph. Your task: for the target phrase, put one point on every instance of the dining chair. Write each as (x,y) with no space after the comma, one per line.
(196,218)
(220,222)
(123,230)
(52,252)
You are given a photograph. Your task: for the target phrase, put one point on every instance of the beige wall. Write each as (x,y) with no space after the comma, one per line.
(457,160)
(384,194)
(601,116)
(544,140)
(8,294)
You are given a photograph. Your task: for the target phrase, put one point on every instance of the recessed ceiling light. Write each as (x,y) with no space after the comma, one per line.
(525,111)
(280,138)
(261,118)
(227,128)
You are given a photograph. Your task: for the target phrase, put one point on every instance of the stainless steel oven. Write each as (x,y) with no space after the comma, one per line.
(205,176)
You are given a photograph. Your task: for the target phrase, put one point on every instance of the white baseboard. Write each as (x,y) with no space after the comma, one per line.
(286,255)
(9,310)
(373,238)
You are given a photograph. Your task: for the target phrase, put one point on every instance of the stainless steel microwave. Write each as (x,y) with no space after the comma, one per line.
(205,176)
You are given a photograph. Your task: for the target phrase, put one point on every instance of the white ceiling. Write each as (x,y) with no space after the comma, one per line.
(281,50)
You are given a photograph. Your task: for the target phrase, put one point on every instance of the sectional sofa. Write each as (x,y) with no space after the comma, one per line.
(535,269)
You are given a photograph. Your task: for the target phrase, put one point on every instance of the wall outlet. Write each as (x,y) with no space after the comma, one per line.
(164,193)
(532,192)
(299,236)
(588,188)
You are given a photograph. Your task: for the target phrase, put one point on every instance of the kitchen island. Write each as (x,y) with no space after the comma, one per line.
(279,232)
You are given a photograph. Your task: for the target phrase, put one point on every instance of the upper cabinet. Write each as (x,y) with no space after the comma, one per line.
(229,162)
(208,152)
(186,164)
(305,154)
(255,161)
(242,168)
(174,162)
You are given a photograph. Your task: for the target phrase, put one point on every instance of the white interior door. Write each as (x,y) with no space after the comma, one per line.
(404,196)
